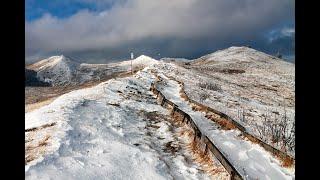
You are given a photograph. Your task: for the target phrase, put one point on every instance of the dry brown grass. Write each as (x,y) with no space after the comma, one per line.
(153,126)
(28,148)
(114,104)
(177,117)
(33,151)
(41,127)
(29,158)
(199,108)
(194,107)
(287,162)
(158,78)
(224,124)
(44,141)
(153,116)
(204,159)
(171,147)
(252,139)
(153,71)
(186,133)
(232,71)
(183,95)
(37,105)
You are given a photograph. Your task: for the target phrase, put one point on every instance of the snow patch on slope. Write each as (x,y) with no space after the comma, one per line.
(142,60)
(146,60)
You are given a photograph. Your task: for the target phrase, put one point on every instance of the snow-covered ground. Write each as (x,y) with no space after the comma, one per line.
(115,130)
(250,160)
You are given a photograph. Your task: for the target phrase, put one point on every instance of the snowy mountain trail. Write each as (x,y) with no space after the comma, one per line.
(250,160)
(118,130)
(115,130)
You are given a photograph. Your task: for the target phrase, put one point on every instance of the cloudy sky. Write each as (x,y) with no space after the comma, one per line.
(99,31)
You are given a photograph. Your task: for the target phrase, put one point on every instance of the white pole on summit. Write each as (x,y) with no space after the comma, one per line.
(131,62)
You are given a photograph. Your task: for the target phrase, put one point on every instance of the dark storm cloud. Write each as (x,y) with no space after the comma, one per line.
(176,28)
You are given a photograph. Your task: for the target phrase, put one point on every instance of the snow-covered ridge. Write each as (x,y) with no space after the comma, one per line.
(57,70)
(51,62)
(62,70)
(168,59)
(234,54)
(143,59)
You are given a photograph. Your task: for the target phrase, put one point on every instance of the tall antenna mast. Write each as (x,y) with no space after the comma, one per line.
(131,62)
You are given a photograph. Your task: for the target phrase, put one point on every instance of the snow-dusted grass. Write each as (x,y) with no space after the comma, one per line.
(251,160)
(246,84)
(31,107)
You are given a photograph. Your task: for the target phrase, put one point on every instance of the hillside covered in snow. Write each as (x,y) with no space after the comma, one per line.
(119,130)
(254,88)
(56,70)
(63,71)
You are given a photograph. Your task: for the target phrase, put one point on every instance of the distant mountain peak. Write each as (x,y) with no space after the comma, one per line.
(57,70)
(144,56)
(51,62)
(143,59)
(236,54)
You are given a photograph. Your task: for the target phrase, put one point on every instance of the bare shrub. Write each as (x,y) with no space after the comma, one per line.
(41,127)
(183,95)
(44,141)
(210,86)
(287,162)
(29,158)
(137,68)
(224,123)
(219,70)
(280,131)
(203,96)
(232,71)
(241,115)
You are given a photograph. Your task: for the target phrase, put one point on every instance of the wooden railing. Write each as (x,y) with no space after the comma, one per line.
(205,144)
